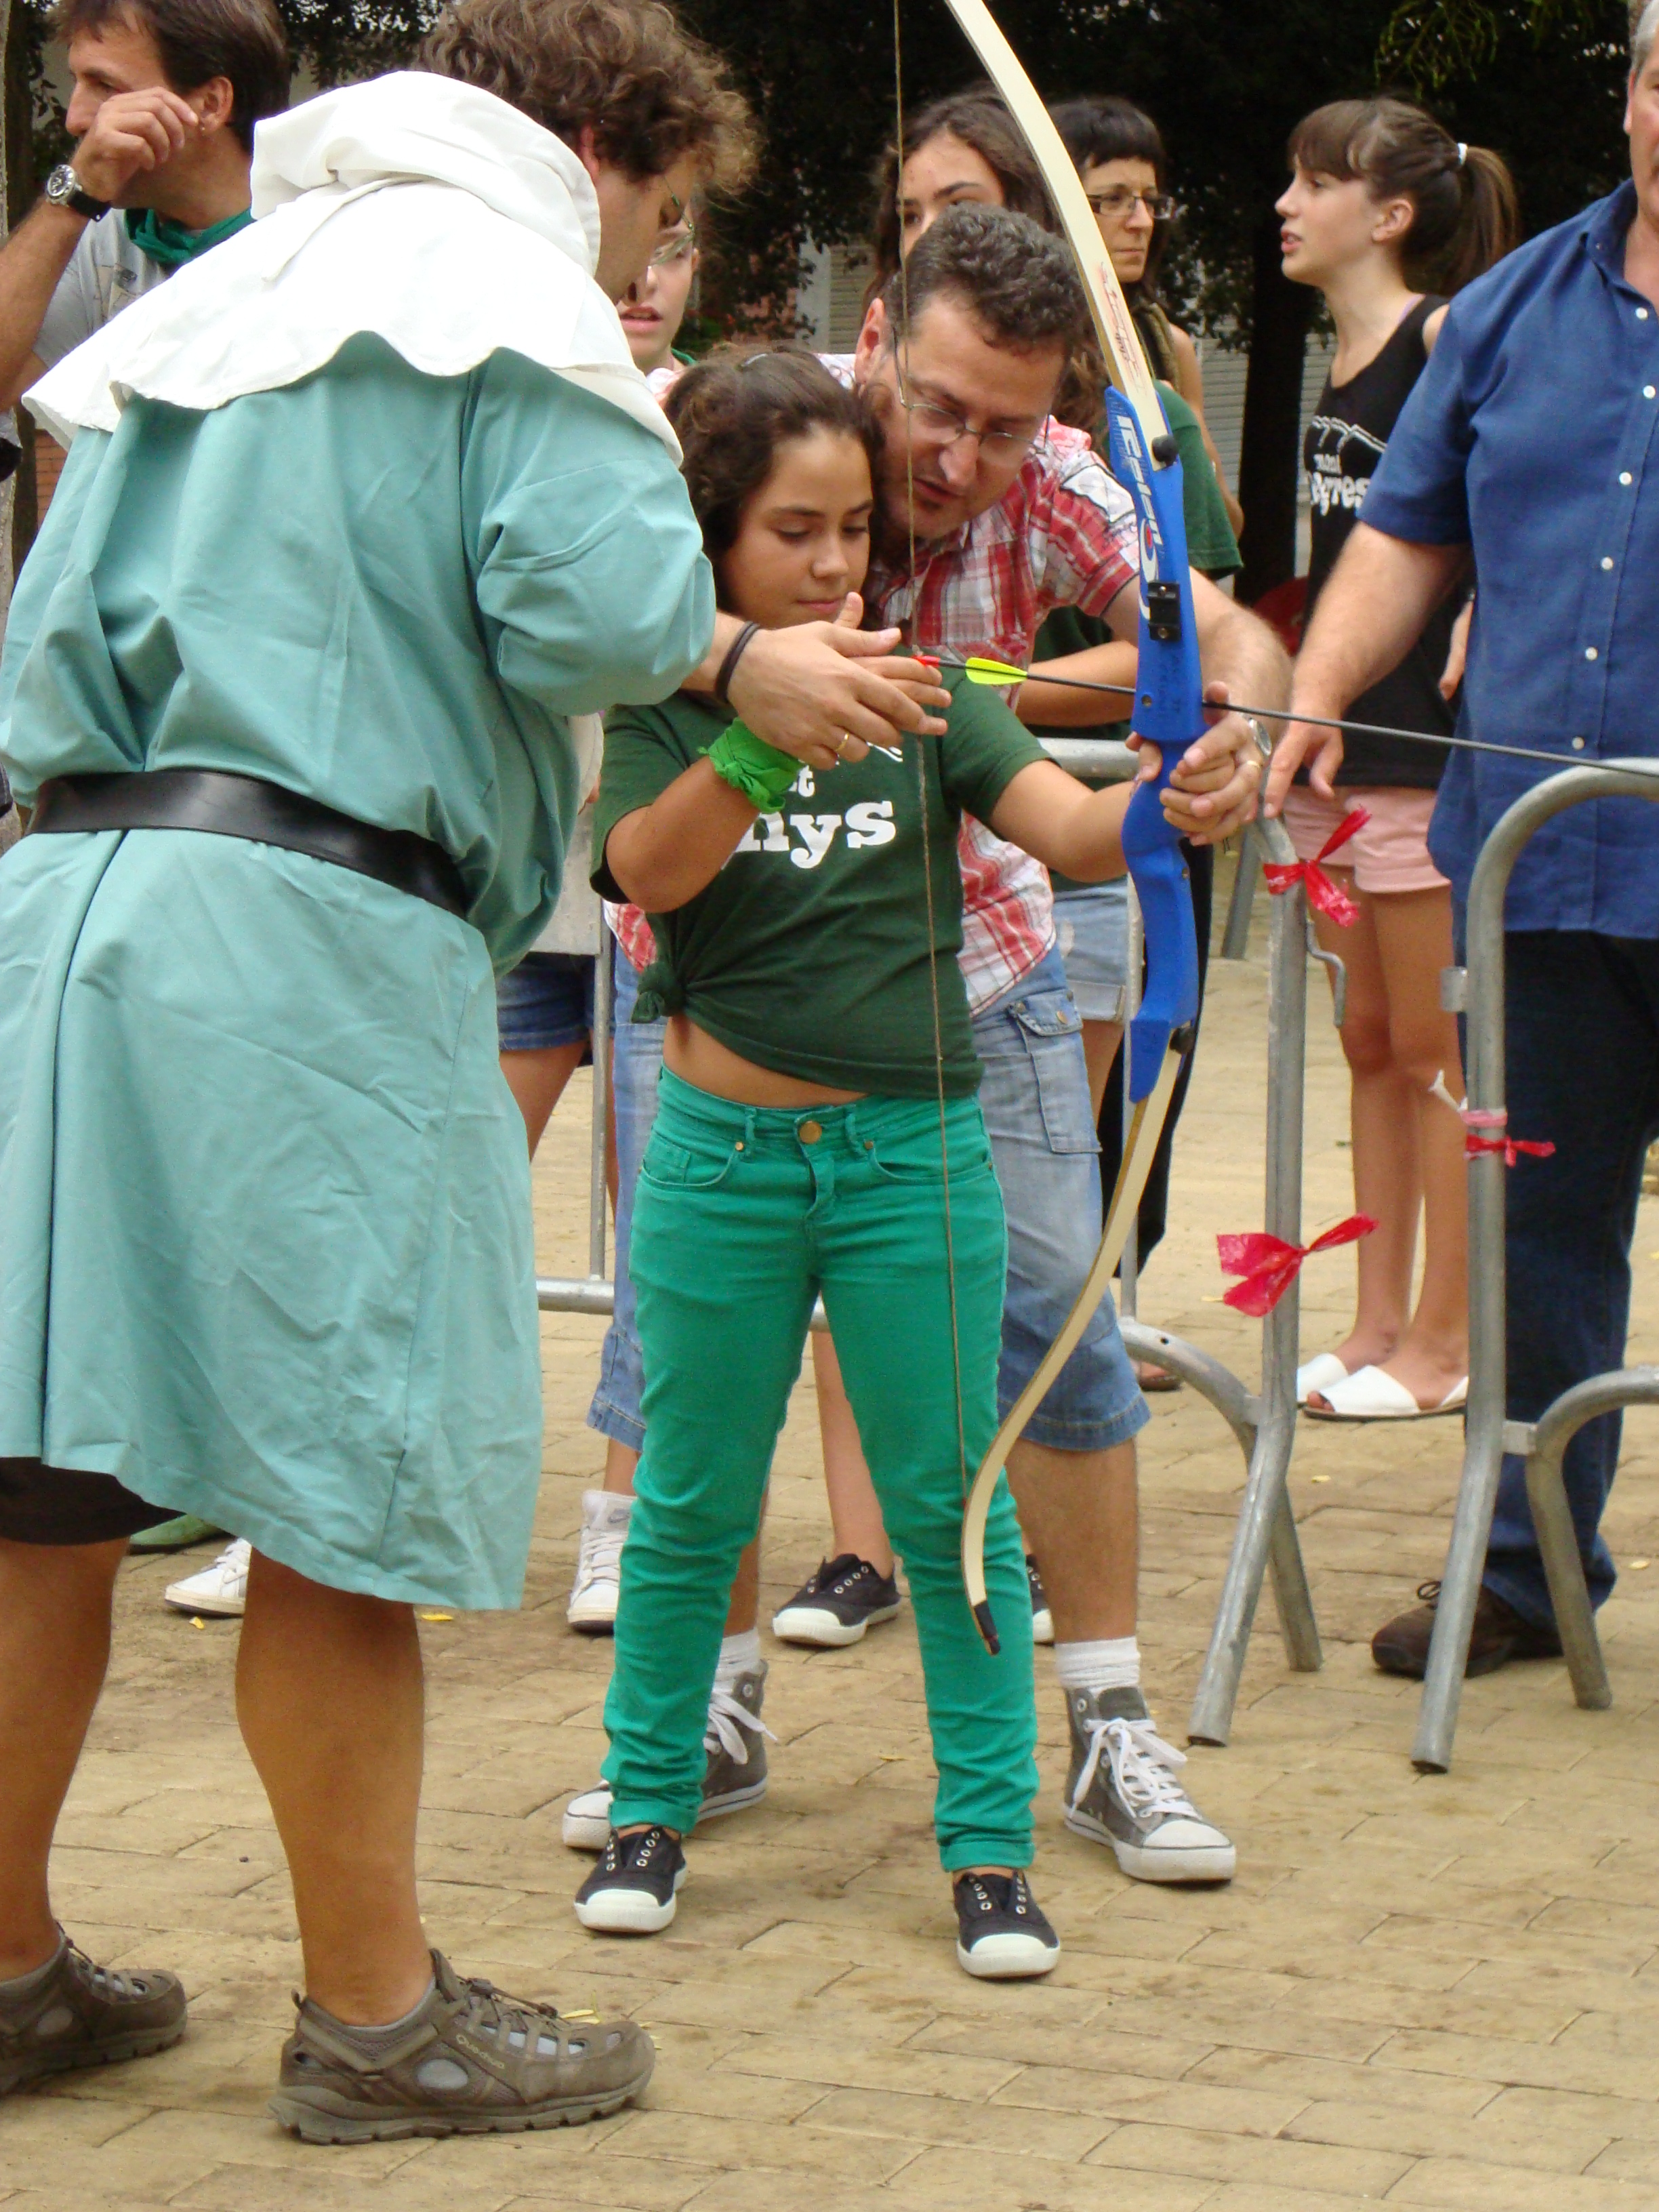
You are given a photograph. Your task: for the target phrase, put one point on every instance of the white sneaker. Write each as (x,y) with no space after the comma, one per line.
(592,1606)
(220,1590)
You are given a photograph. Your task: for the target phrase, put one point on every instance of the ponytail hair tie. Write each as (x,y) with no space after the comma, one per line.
(1462,151)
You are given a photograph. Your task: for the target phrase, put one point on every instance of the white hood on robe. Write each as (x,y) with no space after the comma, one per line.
(425,211)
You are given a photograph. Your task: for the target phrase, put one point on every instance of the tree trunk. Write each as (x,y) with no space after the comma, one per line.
(1269,459)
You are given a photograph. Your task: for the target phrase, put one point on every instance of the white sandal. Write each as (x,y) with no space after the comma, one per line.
(1372,1395)
(1318,1373)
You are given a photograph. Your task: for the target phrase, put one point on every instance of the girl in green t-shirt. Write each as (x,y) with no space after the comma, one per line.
(817,1133)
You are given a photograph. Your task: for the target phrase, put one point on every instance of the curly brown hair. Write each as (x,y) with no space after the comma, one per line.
(650,91)
(732,412)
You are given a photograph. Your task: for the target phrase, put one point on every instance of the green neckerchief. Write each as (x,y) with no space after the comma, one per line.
(170,243)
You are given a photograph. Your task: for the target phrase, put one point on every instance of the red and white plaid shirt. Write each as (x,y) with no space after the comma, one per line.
(1062,535)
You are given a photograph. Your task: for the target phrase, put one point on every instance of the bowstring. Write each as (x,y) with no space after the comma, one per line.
(921,769)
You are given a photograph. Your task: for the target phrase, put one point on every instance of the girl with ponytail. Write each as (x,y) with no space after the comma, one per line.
(1387,214)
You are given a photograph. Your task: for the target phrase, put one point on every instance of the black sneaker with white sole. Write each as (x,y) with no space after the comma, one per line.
(632,1890)
(1002,1933)
(835,1605)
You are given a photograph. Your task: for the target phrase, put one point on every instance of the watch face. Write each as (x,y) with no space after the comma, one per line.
(61,183)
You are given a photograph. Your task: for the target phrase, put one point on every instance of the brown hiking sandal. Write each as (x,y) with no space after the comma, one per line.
(74,2014)
(470,2062)
(1499,1634)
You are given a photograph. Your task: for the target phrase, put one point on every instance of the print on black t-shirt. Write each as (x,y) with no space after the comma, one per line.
(1340,450)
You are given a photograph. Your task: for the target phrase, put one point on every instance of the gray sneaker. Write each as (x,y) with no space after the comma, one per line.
(73,2014)
(1122,1790)
(734,1776)
(471,2061)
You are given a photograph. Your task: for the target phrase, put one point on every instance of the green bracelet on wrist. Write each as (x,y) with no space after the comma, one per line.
(749,764)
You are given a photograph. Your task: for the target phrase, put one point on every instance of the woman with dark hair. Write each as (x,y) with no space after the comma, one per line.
(1119,153)
(1385,214)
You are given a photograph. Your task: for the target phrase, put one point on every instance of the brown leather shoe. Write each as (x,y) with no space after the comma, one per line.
(79,2014)
(1499,1634)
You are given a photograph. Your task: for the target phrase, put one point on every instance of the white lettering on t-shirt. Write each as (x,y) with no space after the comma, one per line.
(818,833)
(749,843)
(870,823)
(804,784)
(777,837)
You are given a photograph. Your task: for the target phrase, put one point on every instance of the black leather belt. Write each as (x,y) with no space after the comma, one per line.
(247,806)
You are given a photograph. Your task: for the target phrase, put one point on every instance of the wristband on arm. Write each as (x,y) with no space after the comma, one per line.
(760,772)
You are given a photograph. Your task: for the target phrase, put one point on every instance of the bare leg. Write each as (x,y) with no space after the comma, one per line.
(620,1462)
(54,1647)
(1079,1513)
(1383,1123)
(855,1513)
(1415,934)
(331,1698)
(1100,1043)
(537,1080)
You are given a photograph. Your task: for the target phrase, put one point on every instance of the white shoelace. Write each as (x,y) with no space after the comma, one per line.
(599,1556)
(1143,1768)
(727,1719)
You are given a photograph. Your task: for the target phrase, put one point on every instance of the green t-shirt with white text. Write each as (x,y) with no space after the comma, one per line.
(809,952)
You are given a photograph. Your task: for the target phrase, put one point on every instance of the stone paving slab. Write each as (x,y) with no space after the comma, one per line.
(1425,1991)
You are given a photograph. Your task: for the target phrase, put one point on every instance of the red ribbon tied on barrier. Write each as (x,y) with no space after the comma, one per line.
(1486,1129)
(1282,876)
(1269,1265)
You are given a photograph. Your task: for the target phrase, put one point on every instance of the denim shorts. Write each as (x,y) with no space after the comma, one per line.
(1093,929)
(546,1000)
(1037,1112)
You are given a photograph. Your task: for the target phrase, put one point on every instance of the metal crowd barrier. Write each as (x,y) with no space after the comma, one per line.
(1262,1423)
(1477,992)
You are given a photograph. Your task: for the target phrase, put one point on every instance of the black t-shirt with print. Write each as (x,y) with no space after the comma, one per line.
(809,952)
(1340,449)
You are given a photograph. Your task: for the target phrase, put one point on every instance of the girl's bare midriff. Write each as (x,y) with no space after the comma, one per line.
(698,1059)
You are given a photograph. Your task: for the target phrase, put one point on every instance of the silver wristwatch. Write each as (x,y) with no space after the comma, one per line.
(63,189)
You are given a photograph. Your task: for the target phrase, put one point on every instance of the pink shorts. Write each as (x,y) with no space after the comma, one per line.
(1390,853)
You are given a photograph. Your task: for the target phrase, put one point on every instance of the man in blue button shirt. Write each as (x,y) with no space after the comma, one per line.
(1530,447)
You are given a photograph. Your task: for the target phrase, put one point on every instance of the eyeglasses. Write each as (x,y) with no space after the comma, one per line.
(1118,199)
(679,234)
(680,247)
(944,428)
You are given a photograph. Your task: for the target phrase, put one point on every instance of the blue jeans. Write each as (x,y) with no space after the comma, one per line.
(1035,1098)
(1582,1044)
(635,1064)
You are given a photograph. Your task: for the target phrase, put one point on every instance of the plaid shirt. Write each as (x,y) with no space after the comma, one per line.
(1063,535)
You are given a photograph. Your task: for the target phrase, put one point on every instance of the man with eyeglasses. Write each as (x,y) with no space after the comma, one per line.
(989,515)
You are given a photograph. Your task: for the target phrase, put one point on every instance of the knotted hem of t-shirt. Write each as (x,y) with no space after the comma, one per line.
(661,992)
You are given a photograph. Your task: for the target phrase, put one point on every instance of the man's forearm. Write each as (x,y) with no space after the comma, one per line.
(1237,648)
(1370,613)
(31,261)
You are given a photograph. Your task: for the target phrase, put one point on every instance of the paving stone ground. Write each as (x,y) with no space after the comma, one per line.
(1431,1991)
